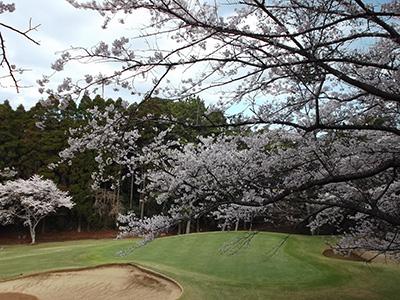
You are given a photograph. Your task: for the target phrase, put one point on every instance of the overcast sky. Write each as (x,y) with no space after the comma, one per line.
(61,26)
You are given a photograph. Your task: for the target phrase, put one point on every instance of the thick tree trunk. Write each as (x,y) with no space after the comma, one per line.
(237,224)
(43,229)
(188,226)
(33,237)
(197,225)
(179,228)
(141,208)
(79,229)
(223,227)
(251,223)
(141,200)
(32,231)
(131,194)
(118,200)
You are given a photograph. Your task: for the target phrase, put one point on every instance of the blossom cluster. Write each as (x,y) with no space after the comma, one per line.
(4,7)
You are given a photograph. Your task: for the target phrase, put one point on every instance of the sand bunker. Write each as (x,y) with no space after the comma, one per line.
(352,256)
(98,283)
(358,255)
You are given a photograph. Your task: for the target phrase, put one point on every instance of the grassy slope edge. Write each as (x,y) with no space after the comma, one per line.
(297,270)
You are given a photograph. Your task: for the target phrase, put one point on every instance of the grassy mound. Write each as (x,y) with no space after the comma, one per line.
(269,267)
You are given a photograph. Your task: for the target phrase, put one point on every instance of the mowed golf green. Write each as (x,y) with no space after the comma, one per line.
(261,270)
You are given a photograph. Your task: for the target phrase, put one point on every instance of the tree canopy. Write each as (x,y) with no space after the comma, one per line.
(30,201)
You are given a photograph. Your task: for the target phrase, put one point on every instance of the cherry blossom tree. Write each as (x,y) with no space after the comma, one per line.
(336,178)
(320,77)
(30,201)
(9,70)
(267,48)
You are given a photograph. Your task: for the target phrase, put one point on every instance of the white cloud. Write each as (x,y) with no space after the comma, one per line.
(62,26)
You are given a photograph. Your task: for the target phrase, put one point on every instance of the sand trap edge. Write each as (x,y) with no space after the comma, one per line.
(329,253)
(155,273)
(136,265)
(20,296)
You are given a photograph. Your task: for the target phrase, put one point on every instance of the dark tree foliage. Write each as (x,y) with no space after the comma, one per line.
(31,140)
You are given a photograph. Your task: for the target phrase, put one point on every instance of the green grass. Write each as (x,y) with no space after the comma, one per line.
(297,270)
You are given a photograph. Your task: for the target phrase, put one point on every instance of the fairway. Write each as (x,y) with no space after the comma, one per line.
(262,270)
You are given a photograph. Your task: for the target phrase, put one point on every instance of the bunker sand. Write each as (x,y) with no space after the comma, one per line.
(106,282)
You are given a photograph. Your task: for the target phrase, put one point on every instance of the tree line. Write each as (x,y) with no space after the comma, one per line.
(31,140)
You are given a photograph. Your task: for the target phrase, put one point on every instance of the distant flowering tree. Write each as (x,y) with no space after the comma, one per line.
(30,201)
